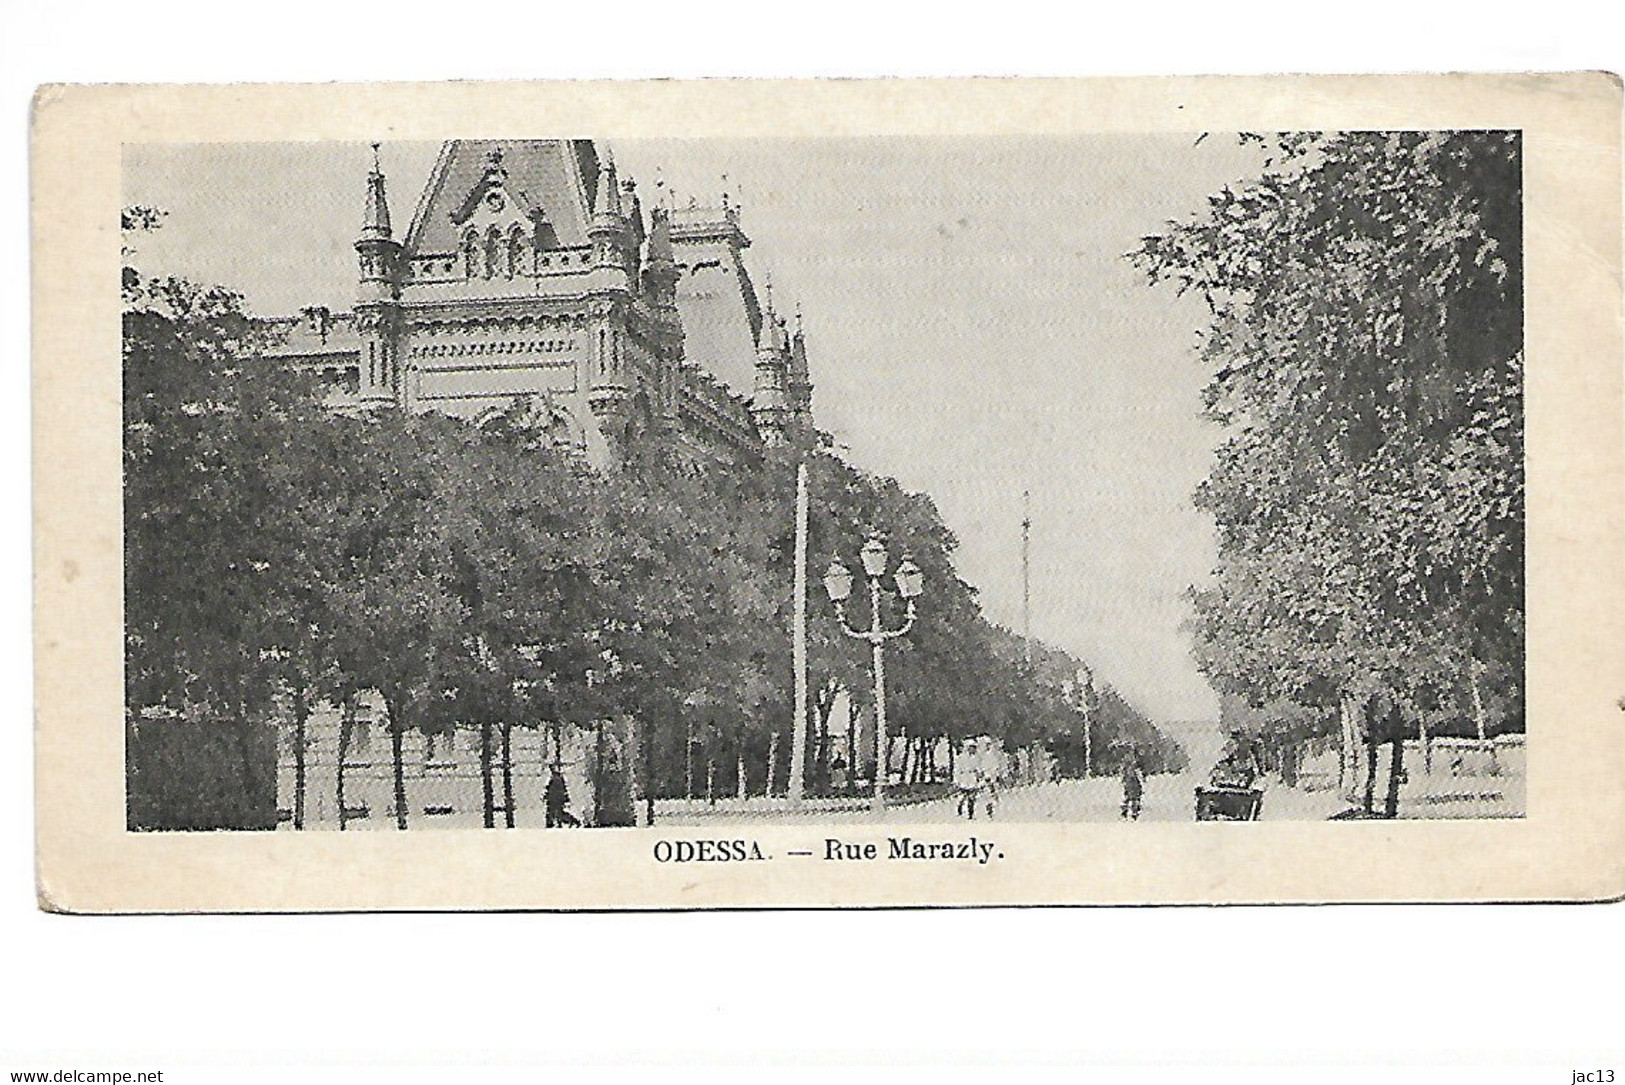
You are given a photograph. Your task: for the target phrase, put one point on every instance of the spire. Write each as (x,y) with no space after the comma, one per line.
(631,206)
(768,405)
(375,218)
(608,228)
(378,296)
(608,204)
(771,338)
(376,249)
(798,377)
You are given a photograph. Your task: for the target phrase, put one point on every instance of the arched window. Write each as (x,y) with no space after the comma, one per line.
(471,248)
(493,253)
(516,252)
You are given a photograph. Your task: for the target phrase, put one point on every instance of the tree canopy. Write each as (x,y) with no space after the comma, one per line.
(1366,350)
(279,551)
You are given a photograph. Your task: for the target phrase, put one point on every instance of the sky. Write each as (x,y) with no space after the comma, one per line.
(972,325)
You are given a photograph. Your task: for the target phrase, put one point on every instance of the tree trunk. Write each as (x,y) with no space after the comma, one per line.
(772,761)
(710,776)
(688,759)
(597,770)
(301,714)
(346,725)
(1088,744)
(507,773)
(250,772)
(1396,772)
(1368,798)
(649,772)
(820,754)
(852,749)
(1479,721)
(739,769)
(1348,752)
(487,790)
(397,754)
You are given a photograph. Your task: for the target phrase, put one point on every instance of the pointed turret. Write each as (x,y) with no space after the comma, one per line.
(770,404)
(798,382)
(377,307)
(607,220)
(608,229)
(376,246)
(375,216)
(607,203)
(632,209)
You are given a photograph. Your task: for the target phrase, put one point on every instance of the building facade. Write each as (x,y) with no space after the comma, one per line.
(530,271)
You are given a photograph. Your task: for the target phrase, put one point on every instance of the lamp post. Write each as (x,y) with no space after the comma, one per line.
(838,584)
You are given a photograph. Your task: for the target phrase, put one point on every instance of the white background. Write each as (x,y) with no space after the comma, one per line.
(1452,993)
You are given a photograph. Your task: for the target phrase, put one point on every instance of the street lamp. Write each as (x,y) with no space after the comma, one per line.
(910,584)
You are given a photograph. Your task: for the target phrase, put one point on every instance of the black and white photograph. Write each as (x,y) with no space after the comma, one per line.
(571,483)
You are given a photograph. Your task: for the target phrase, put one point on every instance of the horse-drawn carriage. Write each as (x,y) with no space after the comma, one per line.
(1228,803)
(1232,793)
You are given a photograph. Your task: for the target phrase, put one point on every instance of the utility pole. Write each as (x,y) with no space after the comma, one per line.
(1086,704)
(798,731)
(1026,577)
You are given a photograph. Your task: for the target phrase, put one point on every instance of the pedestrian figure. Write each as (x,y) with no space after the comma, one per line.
(990,770)
(1133,786)
(1239,765)
(556,799)
(967,781)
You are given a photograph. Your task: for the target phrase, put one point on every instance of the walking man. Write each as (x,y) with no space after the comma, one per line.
(967,779)
(556,799)
(1133,785)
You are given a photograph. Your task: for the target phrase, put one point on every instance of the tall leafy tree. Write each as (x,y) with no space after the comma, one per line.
(1366,356)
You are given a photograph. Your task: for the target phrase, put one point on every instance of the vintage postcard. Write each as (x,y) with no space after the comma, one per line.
(894,493)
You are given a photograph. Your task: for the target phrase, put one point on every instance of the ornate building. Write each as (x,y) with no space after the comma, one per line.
(529,271)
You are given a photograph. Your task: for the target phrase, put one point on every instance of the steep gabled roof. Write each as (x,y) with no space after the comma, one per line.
(556,175)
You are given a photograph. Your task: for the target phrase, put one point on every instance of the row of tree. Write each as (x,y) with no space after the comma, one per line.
(281,555)
(1366,350)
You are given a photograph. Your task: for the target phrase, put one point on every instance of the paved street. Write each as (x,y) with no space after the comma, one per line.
(1167,798)
(1443,793)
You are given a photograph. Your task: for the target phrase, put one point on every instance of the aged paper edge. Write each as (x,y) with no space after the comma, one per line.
(1570,847)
